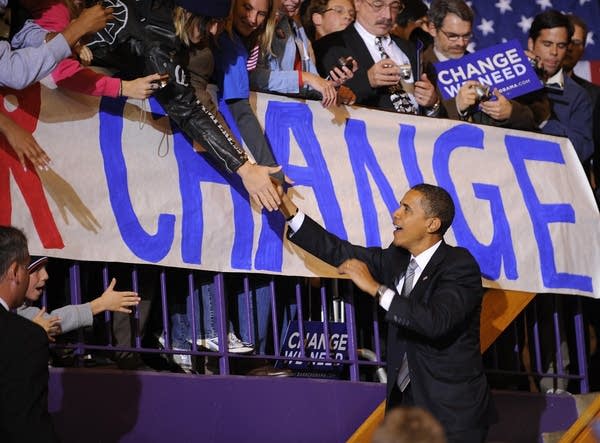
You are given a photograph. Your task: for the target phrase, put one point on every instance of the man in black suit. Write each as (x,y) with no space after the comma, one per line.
(24,414)
(366,40)
(432,294)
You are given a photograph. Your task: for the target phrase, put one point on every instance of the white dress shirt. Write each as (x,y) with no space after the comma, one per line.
(422,259)
(392,50)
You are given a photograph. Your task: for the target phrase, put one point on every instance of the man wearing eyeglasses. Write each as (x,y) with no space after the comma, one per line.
(387,76)
(450,25)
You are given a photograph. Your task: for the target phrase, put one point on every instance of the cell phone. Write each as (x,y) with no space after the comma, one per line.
(348,62)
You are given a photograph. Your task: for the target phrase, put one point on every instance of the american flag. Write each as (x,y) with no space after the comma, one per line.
(253,58)
(498,21)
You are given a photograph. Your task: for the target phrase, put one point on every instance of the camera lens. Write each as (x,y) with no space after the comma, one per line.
(405,72)
(483,92)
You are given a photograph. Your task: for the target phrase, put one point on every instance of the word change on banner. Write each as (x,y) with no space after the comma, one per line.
(504,67)
(315,344)
(126,186)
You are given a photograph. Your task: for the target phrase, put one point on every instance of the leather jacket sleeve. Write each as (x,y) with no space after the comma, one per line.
(178,99)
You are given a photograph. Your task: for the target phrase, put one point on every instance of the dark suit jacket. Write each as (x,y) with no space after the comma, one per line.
(438,325)
(24,414)
(594,92)
(331,47)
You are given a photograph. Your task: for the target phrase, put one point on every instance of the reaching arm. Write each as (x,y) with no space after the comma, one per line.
(179,100)
(36,59)
(116,301)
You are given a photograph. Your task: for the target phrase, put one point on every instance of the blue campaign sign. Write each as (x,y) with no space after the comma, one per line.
(315,348)
(504,67)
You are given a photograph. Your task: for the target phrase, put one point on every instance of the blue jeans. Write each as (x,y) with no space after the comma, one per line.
(254,322)
(179,330)
(202,315)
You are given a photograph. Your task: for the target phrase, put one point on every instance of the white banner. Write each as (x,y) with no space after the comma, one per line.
(123,188)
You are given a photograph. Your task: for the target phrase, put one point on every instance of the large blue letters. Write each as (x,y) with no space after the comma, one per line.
(152,248)
(490,257)
(519,150)
(280,119)
(362,157)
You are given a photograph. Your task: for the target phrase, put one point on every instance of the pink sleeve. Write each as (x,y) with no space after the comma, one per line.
(71,75)
(56,18)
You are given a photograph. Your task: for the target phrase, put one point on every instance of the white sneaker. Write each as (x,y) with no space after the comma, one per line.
(234,344)
(184,361)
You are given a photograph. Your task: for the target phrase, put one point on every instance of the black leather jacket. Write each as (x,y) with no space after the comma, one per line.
(141,42)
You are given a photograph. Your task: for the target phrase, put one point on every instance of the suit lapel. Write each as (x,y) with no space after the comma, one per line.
(427,274)
(352,39)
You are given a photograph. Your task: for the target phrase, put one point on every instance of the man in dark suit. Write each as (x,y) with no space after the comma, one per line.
(574,54)
(24,414)
(432,293)
(366,40)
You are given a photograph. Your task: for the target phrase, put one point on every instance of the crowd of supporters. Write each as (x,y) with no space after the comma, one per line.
(374,53)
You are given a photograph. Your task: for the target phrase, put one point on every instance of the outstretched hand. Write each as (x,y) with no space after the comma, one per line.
(116,301)
(143,87)
(257,181)
(287,206)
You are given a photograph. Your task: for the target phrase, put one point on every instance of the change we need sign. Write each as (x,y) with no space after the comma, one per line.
(316,347)
(504,67)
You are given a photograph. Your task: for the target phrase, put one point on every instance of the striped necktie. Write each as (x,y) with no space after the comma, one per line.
(398,95)
(403,373)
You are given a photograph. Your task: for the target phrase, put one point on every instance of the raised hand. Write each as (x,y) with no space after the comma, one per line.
(257,181)
(116,301)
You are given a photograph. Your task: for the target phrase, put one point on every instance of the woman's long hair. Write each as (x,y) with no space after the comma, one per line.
(264,34)
(185,22)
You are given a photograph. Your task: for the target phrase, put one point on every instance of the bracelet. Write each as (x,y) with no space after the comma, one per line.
(287,219)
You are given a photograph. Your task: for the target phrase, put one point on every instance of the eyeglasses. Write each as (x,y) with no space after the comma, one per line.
(340,10)
(454,37)
(378,5)
(575,42)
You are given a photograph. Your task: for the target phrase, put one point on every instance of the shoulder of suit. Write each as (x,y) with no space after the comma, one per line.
(20,325)
(458,254)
